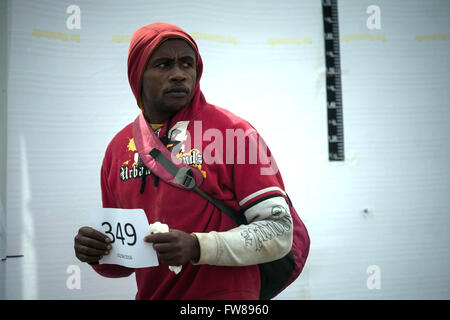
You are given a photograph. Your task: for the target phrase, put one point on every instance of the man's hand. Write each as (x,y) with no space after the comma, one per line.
(91,245)
(175,248)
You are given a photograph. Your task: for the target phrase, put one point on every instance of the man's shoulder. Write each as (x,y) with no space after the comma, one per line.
(121,137)
(223,118)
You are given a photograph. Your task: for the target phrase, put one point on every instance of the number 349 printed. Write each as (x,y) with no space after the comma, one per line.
(118,234)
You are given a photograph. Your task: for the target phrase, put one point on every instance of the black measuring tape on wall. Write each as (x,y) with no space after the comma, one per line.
(333,81)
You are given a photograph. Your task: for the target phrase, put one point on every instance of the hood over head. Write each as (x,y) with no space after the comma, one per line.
(143,42)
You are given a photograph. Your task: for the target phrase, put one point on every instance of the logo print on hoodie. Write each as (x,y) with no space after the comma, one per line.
(193,157)
(137,169)
(177,135)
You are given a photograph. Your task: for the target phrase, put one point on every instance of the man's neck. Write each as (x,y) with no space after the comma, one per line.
(157,118)
(154,120)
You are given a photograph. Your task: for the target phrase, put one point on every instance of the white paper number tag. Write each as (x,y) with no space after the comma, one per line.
(126,228)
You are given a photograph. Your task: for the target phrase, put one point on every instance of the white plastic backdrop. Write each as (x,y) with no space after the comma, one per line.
(68,95)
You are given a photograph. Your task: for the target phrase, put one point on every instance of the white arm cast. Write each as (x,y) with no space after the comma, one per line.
(266,237)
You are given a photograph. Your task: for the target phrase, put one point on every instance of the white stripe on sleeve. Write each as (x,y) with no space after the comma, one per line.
(258,193)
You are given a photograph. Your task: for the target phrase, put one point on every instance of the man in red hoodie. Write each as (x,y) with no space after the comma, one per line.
(218,257)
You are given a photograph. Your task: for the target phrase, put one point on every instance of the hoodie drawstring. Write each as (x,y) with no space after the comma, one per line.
(143,182)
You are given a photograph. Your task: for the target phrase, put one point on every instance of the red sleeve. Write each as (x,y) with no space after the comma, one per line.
(257,178)
(109,270)
(261,180)
(107,196)
(112,270)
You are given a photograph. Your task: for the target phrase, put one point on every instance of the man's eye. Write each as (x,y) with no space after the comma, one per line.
(162,65)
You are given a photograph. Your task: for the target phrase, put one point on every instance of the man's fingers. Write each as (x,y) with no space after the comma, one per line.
(172,259)
(163,247)
(90,251)
(159,237)
(92,233)
(87,258)
(175,247)
(92,243)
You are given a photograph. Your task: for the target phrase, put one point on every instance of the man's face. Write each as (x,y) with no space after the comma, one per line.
(169,79)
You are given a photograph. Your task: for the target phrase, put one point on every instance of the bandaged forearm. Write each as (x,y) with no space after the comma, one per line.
(267,237)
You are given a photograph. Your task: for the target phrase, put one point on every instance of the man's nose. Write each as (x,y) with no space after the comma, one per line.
(177,74)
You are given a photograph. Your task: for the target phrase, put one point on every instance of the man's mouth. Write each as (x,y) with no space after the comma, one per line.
(177,92)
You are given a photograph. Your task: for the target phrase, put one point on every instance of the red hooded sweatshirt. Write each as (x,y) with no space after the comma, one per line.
(226,175)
